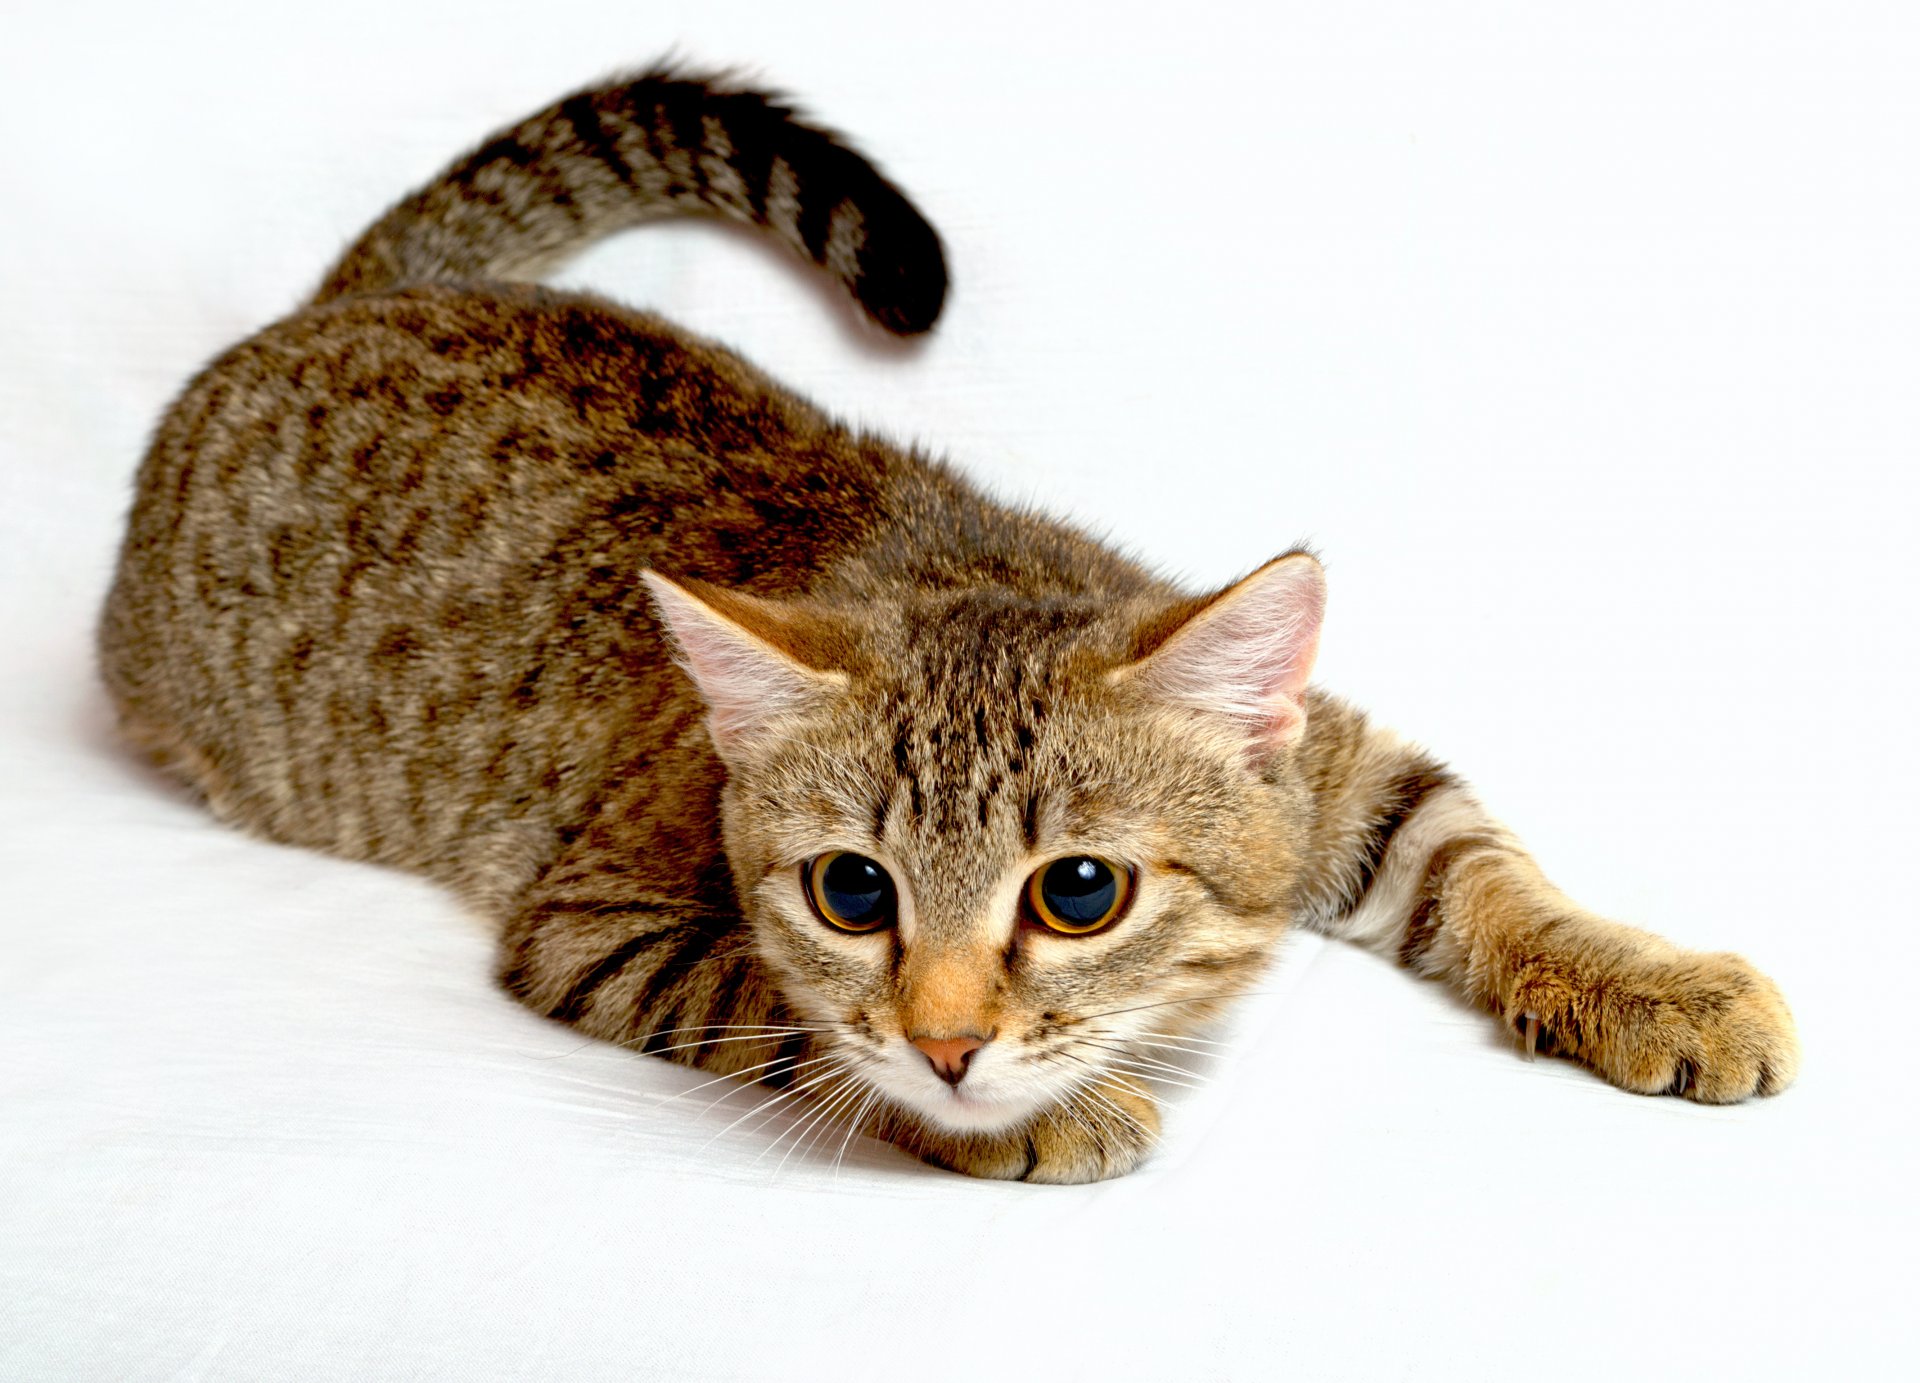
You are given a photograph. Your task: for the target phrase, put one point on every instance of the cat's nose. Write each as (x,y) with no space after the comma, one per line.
(949,1055)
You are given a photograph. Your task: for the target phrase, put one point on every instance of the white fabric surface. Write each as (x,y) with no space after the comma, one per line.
(1581,339)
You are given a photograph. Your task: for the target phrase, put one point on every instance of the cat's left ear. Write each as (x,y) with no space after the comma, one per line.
(753,660)
(1243,654)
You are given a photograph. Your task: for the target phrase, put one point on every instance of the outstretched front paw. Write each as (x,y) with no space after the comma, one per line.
(1707,1026)
(1102,1132)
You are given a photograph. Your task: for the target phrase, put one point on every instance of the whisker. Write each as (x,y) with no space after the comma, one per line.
(756,1083)
(842,1099)
(716,1041)
(1121,1057)
(1114,1042)
(1185,1037)
(850,1111)
(571,1051)
(823,1105)
(769,1105)
(810,1118)
(1139,1127)
(1168,1039)
(1113,1067)
(1120,1082)
(834,1072)
(738,1027)
(1066,1107)
(1102,1127)
(838,1068)
(1134,1044)
(1174,1081)
(729,1075)
(854,1126)
(1137,1059)
(1115,1055)
(1164,1003)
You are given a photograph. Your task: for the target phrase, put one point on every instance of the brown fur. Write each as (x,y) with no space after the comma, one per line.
(384,593)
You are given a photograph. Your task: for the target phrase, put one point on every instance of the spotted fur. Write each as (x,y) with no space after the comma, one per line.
(592,622)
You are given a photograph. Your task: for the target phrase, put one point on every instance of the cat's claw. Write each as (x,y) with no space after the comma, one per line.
(1705,1027)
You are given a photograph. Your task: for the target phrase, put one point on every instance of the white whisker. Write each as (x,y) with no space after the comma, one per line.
(730,1075)
(1139,1127)
(1120,1068)
(1179,1043)
(561,1056)
(1164,1003)
(1066,1107)
(854,1126)
(756,1083)
(737,1027)
(767,1106)
(1102,1127)
(1120,1055)
(808,1119)
(838,1069)
(716,1041)
(841,1099)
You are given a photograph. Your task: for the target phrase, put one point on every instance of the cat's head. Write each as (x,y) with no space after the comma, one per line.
(988,842)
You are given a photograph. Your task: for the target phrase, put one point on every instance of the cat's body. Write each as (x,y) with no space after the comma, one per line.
(386,592)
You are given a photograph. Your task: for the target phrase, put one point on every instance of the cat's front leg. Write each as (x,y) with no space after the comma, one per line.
(1408,862)
(1103,1130)
(631,943)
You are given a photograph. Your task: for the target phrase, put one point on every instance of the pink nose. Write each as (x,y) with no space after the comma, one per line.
(950,1055)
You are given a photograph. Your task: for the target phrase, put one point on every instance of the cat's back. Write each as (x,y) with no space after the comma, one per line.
(373,535)
(508,412)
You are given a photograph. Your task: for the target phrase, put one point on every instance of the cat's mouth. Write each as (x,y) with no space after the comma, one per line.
(971,1111)
(982,1103)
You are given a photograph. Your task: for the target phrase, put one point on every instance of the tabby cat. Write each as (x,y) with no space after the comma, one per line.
(774,748)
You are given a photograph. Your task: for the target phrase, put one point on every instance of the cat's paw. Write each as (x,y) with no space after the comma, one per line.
(1103,1134)
(1707,1026)
(1100,1137)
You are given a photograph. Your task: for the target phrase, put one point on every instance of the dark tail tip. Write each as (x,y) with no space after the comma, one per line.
(901,280)
(896,270)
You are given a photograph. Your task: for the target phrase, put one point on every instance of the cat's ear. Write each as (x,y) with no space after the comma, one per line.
(754,660)
(1243,654)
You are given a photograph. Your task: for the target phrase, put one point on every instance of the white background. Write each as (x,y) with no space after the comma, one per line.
(1582,339)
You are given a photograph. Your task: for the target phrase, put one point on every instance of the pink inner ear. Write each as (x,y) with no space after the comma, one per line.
(745,682)
(1248,655)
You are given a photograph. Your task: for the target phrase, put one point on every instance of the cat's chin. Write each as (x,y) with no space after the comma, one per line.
(958,1111)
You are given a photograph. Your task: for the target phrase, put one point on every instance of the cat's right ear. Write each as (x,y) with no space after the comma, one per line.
(1242,655)
(753,660)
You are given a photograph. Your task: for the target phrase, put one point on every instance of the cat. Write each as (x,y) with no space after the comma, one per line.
(772,747)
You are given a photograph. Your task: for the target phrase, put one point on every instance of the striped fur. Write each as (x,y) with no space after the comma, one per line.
(597,625)
(652,145)
(1413,866)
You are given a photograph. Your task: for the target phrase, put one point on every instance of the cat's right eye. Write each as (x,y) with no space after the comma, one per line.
(851,892)
(1079,895)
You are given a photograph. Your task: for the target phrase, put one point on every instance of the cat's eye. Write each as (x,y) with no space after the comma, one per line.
(1078,894)
(851,892)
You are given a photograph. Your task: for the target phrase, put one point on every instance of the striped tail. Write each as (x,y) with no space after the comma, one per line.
(644,147)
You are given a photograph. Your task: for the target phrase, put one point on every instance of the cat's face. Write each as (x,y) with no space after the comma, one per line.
(994,844)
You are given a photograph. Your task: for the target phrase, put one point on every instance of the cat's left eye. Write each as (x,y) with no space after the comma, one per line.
(851,892)
(1079,894)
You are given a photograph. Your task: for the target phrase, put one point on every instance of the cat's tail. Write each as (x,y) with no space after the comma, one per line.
(641,148)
